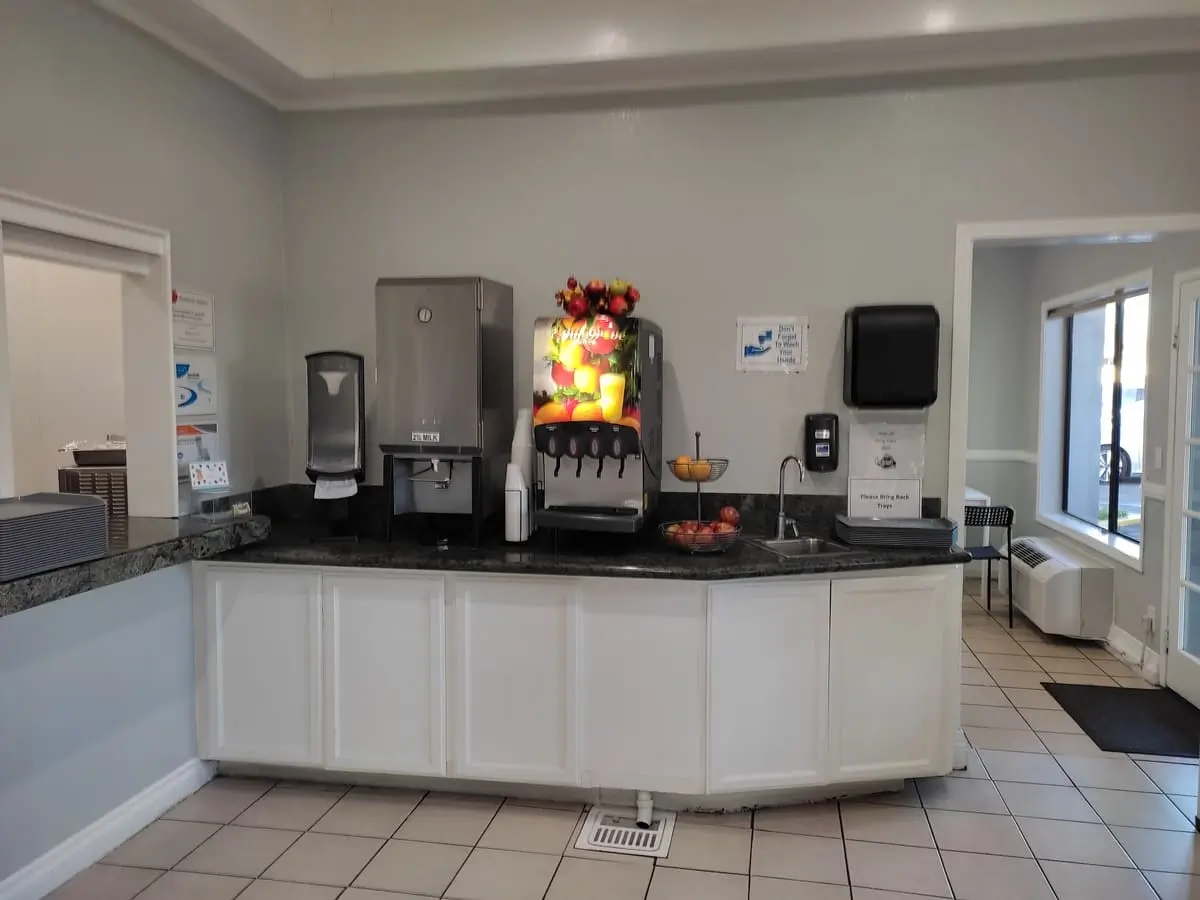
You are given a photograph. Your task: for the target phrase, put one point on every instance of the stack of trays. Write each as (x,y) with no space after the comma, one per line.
(913,534)
(39,532)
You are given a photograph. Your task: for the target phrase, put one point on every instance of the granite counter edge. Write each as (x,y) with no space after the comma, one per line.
(672,567)
(36,590)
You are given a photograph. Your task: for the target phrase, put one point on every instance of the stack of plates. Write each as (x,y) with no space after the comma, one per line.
(39,532)
(914,534)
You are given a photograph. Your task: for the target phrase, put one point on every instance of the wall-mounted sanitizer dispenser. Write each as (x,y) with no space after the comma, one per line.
(821,442)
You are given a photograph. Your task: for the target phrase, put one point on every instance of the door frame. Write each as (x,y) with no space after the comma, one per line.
(52,231)
(1174,502)
(967,235)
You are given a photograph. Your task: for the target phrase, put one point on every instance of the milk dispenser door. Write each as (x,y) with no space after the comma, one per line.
(428,364)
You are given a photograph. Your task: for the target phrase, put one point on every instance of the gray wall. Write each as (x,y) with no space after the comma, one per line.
(96,704)
(805,206)
(96,115)
(999,315)
(999,417)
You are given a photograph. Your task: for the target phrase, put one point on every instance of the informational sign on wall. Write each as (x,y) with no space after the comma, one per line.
(192,320)
(195,384)
(772,344)
(883,450)
(885,498)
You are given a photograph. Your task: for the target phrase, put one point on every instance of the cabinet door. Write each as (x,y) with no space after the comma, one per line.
(515,680)
(258,675)
(768,682)
(384,671)
(643,684)
(893,676)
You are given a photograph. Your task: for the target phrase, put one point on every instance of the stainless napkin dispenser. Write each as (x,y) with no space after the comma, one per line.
(336,415)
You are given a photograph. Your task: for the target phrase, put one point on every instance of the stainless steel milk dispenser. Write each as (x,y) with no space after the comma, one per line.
(444,409)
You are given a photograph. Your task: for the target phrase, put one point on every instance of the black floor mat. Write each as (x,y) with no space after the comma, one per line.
(1132,720)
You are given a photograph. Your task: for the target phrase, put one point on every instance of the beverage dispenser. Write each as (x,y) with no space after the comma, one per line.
(597,417)
(444,406)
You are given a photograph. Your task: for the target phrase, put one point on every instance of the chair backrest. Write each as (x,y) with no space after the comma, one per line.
(987,516)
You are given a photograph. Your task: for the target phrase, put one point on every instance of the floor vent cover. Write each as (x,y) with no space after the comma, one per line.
(616,831)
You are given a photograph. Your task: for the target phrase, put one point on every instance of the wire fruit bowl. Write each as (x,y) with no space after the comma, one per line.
(691,541)
(698,470)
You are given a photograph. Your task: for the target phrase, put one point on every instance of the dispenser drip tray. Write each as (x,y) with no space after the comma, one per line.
(616,519)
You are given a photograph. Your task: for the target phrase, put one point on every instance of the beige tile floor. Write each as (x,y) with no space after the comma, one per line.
(1040,812)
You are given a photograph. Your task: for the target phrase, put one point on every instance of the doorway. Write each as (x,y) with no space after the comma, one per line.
(1183,572)
(65,366)
(140,257)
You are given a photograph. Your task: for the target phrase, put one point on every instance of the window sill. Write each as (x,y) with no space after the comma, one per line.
(1128,553)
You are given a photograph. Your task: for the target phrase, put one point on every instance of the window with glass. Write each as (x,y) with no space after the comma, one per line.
(1104,408)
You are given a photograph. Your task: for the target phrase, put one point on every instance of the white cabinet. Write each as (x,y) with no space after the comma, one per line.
(643,684)
(768,683)
(384,672)
(893,676)
(515,678)
(258,651)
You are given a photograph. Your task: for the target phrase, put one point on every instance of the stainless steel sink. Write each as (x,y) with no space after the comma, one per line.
(801,546)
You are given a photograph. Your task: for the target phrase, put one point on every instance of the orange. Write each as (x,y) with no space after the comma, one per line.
(550,412)
(571,354)
(682,467)
(588,411)
(587,379)
(632,423)
(701,470)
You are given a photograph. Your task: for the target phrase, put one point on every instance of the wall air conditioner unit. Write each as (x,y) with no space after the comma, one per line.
(1060,590)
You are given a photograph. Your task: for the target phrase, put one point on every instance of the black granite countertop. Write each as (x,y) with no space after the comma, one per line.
(645,557)
(135,546)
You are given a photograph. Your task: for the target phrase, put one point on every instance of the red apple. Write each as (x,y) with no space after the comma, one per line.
(572,283)
(596,289)
(729,514)
(577,306)
(704,534)
(688,527)
(561,376)
(603,335)
(618,306)
(633,295)
(723,528)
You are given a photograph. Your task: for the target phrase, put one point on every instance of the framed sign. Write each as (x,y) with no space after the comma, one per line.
(192,320)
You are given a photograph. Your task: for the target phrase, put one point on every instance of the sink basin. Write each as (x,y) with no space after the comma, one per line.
(801,546)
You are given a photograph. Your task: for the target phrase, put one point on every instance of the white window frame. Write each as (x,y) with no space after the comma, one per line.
(1052,398)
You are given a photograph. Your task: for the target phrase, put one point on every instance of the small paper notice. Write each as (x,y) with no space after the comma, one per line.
(772,344)
(883,498)
(192,320)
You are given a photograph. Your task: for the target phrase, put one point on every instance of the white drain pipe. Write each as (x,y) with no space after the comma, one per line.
(645,809)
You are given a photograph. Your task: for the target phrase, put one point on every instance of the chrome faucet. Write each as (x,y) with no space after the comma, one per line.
(783,523)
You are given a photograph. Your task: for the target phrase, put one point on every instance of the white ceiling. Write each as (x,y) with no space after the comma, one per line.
(323,54)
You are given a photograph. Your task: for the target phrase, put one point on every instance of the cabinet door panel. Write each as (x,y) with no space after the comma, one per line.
(643,687)
(768,685)
(258,666)
(384,670)
(891,677)
(515,679)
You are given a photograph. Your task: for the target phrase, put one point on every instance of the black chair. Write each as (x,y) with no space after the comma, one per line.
(992,517)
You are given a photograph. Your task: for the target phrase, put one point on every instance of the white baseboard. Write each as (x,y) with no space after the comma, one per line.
(1129,648)
(59,864)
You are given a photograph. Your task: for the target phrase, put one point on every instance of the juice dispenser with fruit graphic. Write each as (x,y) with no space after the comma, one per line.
(597,417)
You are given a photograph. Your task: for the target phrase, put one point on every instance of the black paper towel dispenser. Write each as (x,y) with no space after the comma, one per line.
(891,357)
